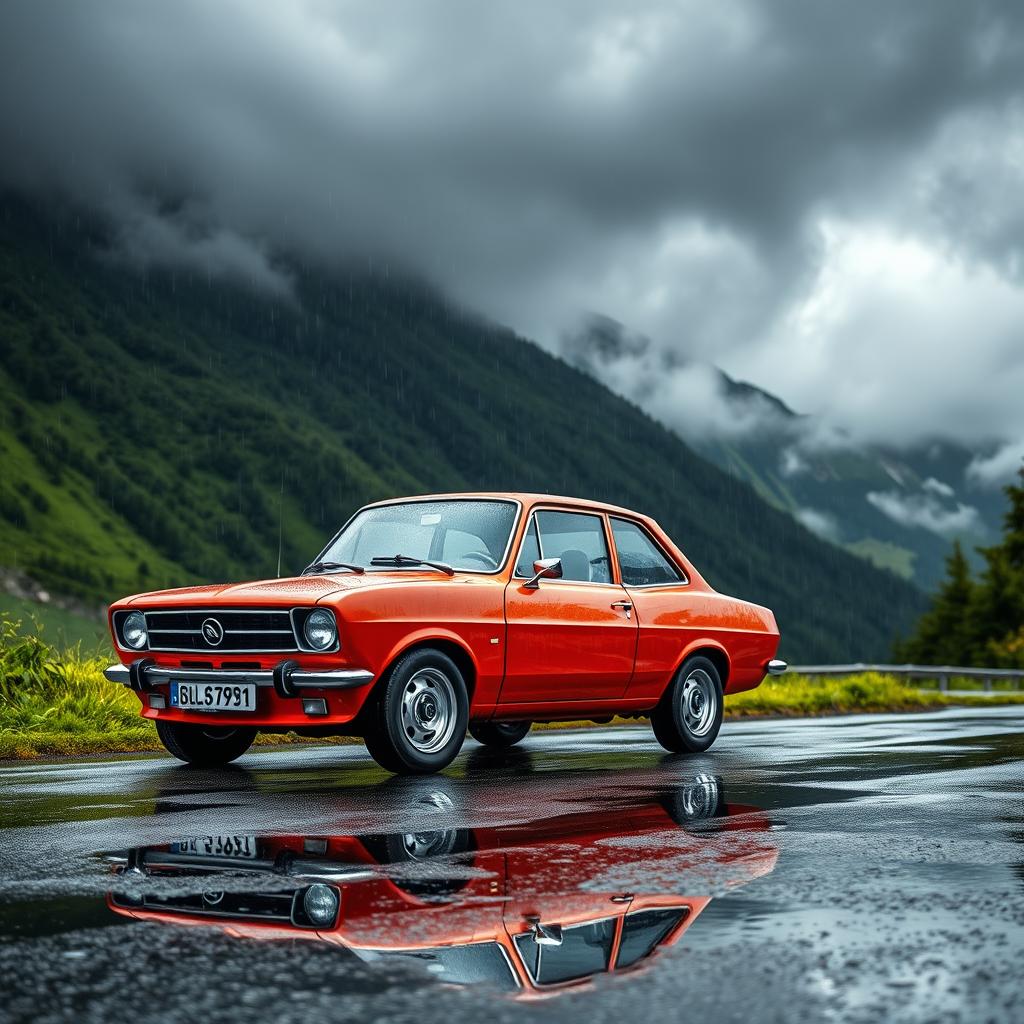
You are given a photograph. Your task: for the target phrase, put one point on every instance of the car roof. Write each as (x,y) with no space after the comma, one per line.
(528,498)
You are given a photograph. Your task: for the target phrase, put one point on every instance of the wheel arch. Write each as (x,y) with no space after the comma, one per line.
(447,643)
(705,647)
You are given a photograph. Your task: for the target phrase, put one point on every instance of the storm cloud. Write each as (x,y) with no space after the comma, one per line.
(824,198)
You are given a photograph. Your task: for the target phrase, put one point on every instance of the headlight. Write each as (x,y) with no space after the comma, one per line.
(320,904)
(133,631)
(319,630)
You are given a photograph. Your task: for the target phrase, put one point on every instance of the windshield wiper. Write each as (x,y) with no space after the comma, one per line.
(318,567)
(400,560)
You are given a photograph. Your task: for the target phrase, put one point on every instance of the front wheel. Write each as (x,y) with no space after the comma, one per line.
(690,714)
(419,719)
(204,746)
(499,734)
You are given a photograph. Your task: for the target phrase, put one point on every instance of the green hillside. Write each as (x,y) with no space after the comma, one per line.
(153,428)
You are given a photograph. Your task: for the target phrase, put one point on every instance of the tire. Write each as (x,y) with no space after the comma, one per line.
(697,799)
(416,847)
(204,746)
(500,735)
(690,713)
(418,722)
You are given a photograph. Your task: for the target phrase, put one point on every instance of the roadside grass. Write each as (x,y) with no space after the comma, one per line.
(795,695)
(55,702)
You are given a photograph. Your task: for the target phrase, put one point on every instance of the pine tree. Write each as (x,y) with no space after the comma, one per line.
(1013,525)
(979,622)
(943,635)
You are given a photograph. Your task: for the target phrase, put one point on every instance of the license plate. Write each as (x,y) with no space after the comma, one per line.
(214,696)
(243,847)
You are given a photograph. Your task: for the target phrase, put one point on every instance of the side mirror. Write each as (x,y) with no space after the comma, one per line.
(545,569)
(545,934)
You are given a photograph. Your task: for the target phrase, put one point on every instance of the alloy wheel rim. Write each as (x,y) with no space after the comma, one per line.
(700,797)
(699,702)
(428,710)
(418,845)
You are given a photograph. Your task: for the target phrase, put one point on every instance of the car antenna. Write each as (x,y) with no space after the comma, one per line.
(280,524)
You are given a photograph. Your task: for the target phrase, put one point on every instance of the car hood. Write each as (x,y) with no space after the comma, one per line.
(286,592)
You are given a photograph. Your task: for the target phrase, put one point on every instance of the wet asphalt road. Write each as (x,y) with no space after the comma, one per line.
(859,868)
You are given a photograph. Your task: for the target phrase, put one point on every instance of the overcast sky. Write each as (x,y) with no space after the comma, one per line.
(826,199)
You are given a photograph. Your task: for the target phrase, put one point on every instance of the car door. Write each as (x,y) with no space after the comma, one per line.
(664,604)
(568,639)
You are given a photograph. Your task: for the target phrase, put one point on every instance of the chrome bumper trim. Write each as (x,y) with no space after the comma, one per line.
(311,679)
(776,667)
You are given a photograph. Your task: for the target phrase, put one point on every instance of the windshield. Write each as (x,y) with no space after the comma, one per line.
(482,962)
(469,535)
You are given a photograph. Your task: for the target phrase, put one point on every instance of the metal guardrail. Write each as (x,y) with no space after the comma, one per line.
(941,673)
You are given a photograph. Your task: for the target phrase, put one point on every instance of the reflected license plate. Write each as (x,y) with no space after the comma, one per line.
(243,847)
(213,696)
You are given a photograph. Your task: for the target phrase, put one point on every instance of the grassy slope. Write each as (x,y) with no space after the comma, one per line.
(62,628)
(152,429)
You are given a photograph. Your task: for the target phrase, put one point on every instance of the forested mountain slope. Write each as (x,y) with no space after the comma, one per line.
(161,428)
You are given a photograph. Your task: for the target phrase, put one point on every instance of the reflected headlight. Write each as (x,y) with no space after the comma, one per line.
(320,903)
(320,630)
(133,631)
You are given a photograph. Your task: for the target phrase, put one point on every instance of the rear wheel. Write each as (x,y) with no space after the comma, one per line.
(499,734)
(205,746)
(690,714)
(419,719)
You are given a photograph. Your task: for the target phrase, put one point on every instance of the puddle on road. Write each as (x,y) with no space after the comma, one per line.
(519,908)
(541,906)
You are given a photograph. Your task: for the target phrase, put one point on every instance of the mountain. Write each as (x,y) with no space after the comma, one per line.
(897,508)
(164,428)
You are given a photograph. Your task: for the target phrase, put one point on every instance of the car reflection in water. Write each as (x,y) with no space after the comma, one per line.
(535,908)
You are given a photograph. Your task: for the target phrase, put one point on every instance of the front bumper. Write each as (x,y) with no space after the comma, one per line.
(141,674)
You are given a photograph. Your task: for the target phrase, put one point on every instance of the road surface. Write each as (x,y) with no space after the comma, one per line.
(858,868)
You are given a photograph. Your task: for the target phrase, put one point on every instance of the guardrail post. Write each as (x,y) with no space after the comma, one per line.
(943,683)
(986,684)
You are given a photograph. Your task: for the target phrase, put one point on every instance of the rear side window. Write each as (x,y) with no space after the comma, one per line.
(645,930)
(640,560)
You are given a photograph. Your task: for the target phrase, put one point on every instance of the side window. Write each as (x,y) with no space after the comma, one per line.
(578,540)
(585,950)
(640,559)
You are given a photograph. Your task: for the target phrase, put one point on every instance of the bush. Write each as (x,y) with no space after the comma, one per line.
(46,690)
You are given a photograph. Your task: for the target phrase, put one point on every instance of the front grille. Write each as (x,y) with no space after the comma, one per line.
(187,629)
(253,906)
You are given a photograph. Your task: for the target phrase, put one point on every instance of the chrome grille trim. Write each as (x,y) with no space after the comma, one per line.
(179,630)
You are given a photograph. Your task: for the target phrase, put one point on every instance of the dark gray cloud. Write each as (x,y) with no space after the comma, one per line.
(823,197)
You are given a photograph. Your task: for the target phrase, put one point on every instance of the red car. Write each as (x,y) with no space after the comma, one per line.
(534,908)
(427,616)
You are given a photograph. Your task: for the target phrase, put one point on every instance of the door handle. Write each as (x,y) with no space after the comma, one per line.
(626,606)
(626,897)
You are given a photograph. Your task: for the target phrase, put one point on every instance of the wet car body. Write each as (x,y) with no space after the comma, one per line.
(514,638)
